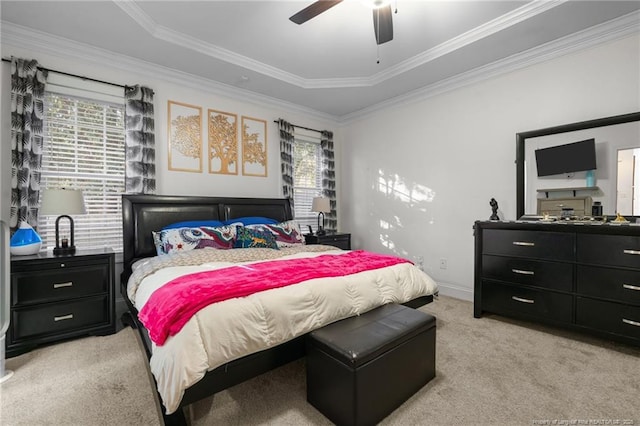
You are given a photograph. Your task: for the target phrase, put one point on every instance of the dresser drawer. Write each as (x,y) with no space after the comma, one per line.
(558,276)
(615,250)
(608,316)
(59,284)
(527,302)
(531,244)
(609,283)
(53,318)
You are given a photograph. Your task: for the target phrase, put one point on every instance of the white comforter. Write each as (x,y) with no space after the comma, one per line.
(234,328)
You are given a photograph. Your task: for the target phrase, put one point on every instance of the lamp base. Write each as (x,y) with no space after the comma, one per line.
(61,251)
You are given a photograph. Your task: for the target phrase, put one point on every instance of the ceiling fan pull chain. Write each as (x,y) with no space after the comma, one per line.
(377,38)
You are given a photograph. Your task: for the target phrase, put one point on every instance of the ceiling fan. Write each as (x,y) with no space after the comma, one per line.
(382,20)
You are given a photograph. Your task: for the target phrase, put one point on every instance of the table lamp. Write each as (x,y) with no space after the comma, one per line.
(63,202)
(321,205)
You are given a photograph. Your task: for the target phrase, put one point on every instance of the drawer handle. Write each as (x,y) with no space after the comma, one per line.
(630,322)
(61,285)
(631,287)
(637,252)
(63,317)
(522,272)
(523,243)
(520,299)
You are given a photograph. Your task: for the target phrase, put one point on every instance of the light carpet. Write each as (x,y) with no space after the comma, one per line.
(488,371)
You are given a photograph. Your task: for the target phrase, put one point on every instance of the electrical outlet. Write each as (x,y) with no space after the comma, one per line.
(443,263)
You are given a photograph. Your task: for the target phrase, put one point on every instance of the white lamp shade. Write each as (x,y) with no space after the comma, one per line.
(62,202)
(321,204)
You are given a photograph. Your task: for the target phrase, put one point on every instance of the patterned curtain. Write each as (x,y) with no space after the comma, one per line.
(329,179)
(140,145)
(27,118)
(286,159)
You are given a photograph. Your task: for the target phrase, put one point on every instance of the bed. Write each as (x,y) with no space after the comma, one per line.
(144,214)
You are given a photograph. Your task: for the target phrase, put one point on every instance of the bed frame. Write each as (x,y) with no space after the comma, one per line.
(145,213)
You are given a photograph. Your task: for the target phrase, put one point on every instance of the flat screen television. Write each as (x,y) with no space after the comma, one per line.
(568,158)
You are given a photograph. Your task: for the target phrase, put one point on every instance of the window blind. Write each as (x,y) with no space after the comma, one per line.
(84,149)
(307,178)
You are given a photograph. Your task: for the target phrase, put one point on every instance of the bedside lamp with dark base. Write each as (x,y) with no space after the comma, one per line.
(63,202)
(321,205)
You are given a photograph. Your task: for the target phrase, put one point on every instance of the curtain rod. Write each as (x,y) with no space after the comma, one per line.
(302,127)
(74,75)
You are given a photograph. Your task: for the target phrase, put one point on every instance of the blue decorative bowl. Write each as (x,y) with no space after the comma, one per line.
(25,241)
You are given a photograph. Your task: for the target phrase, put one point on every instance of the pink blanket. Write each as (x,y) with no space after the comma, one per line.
(172,305)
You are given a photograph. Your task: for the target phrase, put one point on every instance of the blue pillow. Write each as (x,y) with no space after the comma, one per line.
(195,224)
(252,220)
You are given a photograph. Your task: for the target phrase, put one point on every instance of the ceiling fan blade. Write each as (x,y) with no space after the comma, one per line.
(313,10)
(383,24)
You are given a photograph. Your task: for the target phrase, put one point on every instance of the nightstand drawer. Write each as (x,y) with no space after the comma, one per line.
(59,284)
(59,317)
(342,241)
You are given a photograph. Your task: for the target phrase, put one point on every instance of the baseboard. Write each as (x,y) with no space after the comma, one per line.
(452,290)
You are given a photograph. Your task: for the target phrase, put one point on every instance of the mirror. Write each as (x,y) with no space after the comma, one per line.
(615,183)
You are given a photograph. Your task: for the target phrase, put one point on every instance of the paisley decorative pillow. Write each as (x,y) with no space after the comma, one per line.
(176,240)
(248,238)
(287,234)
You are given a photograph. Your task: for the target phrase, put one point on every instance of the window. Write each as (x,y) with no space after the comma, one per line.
(307,178)
(84,149)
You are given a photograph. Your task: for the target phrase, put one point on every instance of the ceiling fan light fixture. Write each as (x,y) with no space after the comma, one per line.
(376,4)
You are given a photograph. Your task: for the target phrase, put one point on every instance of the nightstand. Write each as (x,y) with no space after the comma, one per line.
(336,239)
(59,297)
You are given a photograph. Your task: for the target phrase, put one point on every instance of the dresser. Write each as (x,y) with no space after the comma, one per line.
(59,297)
(335,239)
(578,276)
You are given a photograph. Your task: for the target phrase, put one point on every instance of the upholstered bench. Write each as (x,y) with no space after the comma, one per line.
(362,368)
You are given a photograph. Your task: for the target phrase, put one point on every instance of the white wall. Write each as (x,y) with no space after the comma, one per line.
(418,175)
(188,183)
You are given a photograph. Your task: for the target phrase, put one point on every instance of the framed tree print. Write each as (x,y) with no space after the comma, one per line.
(223,142)
(185,137)
(254,147)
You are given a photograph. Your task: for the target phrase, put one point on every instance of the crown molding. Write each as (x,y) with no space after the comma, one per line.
(500,23)
(26,38)
(200,46)
(615,29)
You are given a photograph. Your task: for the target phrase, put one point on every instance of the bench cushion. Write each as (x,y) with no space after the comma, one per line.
(360,339)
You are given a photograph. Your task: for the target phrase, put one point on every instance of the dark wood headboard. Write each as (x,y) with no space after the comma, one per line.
(142,214)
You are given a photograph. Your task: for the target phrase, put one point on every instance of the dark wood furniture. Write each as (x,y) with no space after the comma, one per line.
(360,369)
(145,213)
(582,277)
(335,239)
(59,297)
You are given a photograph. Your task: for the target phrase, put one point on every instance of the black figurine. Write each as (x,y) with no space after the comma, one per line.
(494,209)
